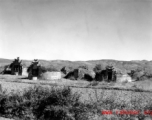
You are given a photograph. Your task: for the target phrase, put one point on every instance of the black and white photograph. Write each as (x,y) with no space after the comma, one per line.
(75,59)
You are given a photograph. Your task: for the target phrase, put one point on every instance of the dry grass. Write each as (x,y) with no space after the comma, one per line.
(130,99)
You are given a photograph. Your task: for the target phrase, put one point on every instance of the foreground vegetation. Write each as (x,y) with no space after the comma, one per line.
(43,104)
(39,103)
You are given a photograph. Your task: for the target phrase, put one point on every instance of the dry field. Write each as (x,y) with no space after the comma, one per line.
(90,92)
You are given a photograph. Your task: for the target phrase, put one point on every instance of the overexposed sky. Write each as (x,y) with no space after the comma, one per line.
(76,29)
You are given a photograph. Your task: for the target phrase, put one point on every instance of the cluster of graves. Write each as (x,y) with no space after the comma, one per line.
(34,70)
(109,74)
(16,68)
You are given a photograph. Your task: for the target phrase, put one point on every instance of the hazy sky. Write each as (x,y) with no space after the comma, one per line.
(76,29)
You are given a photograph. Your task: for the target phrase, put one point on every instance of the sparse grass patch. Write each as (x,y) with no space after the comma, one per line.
(114,103)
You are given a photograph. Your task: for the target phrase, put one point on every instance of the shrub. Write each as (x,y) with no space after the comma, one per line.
(66,70)
(61,104)
(70,76)
(43,104)
(43,69)
(52,69)
(98,68)
(88,77)
(84,67)
(49,69)
(140,74)
(3,101)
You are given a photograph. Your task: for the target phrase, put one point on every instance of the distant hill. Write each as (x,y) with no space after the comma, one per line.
(4,60)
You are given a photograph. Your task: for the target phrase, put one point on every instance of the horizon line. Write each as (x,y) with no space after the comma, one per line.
(75,60)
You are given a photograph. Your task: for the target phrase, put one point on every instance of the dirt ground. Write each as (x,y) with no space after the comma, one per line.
(87,90)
